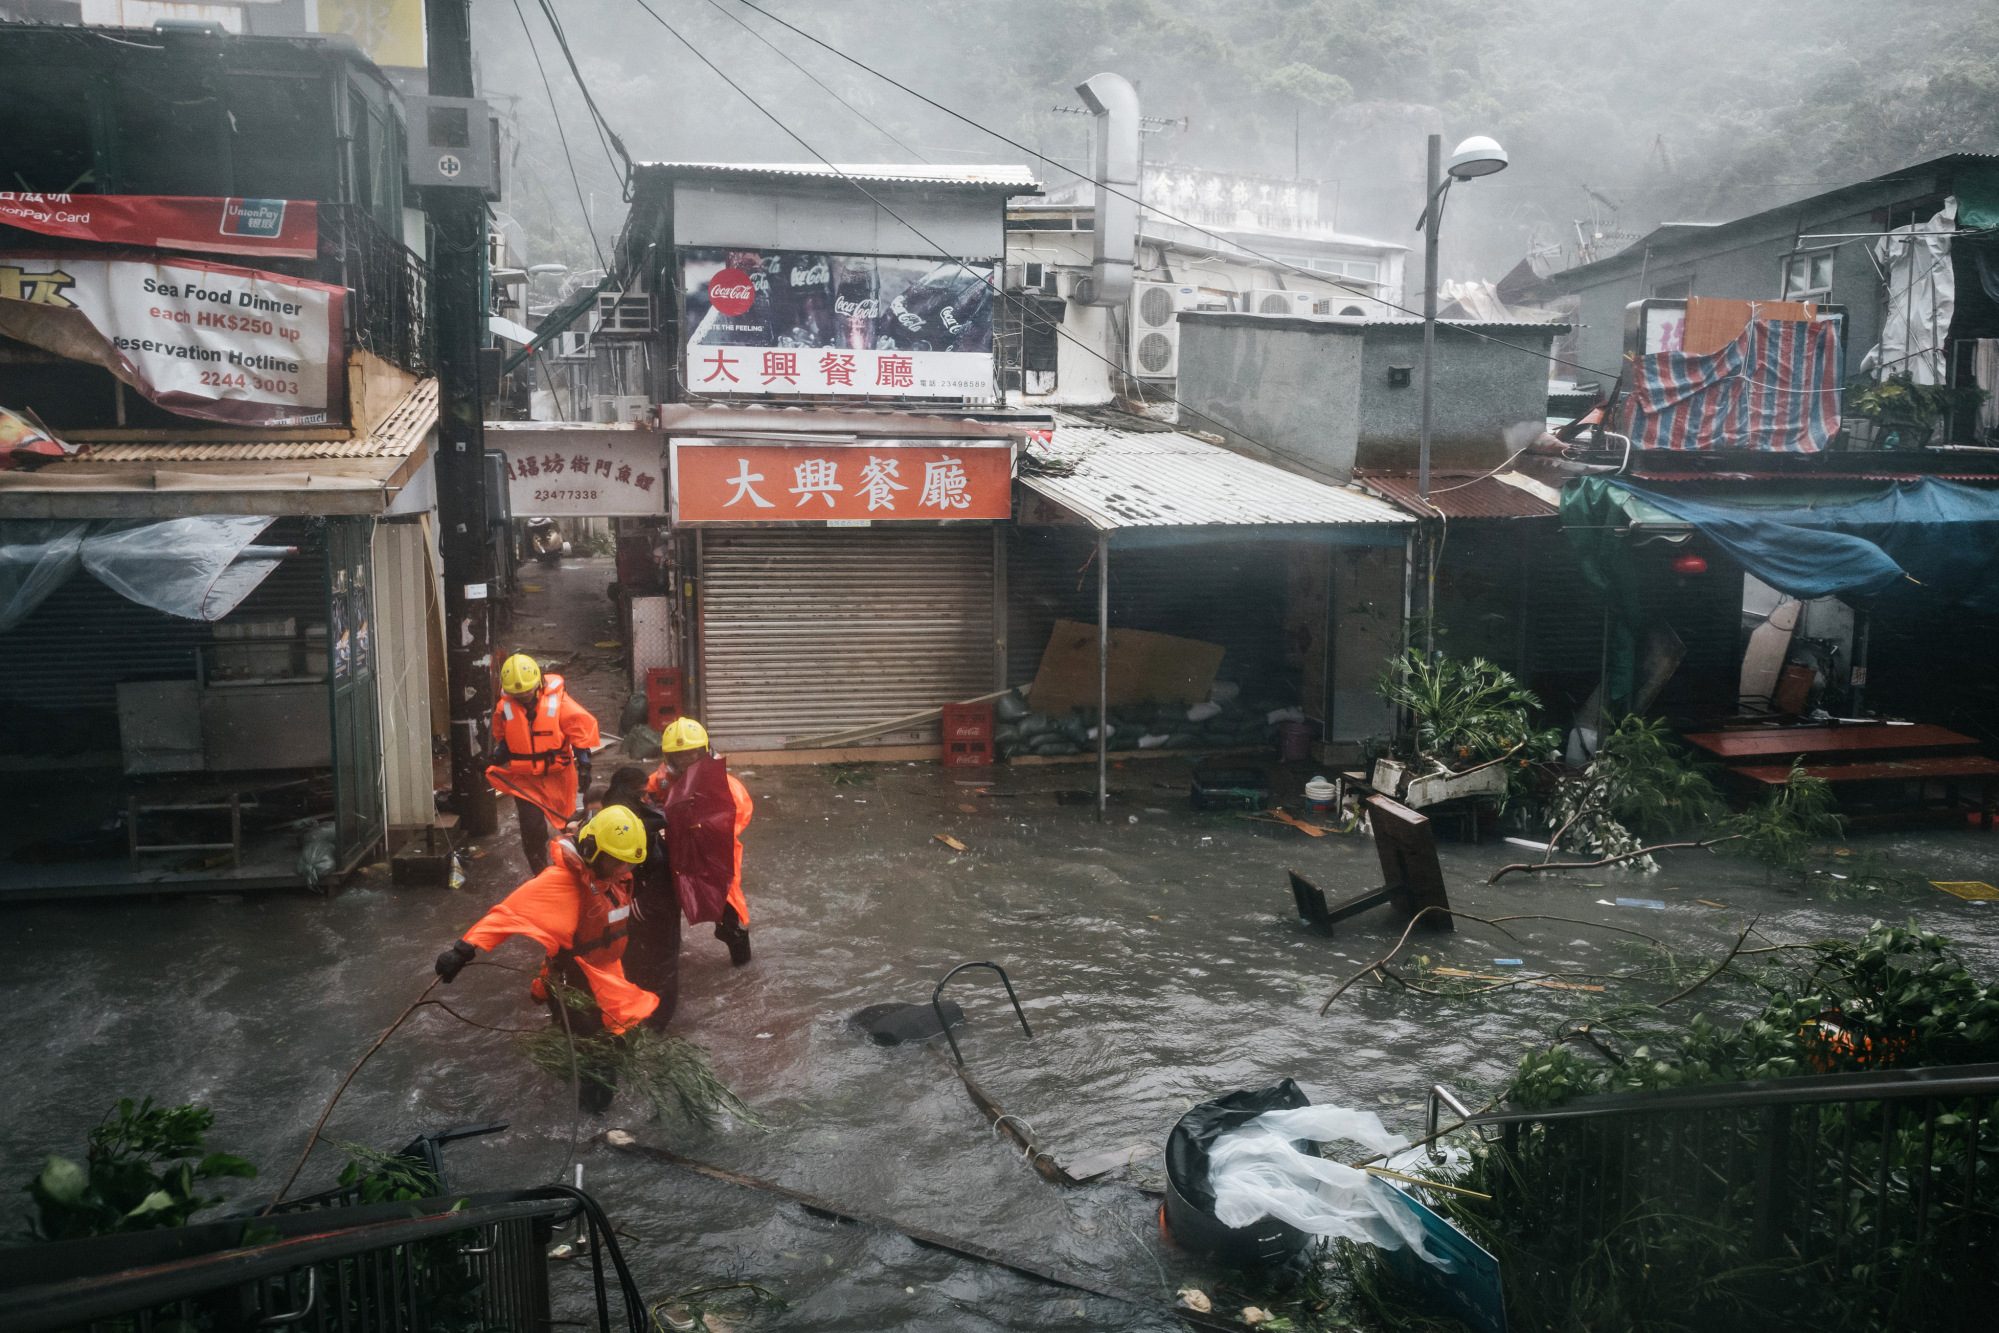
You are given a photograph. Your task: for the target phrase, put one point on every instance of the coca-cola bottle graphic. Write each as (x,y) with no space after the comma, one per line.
(739,304)
(948,309)
(855,305)
(802,299)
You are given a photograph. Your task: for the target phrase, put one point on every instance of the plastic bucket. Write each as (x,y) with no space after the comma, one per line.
(1321,794)
(1294,742)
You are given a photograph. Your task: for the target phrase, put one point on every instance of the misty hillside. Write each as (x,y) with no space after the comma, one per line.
(1617,115)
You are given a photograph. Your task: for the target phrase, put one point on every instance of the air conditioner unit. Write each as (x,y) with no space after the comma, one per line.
(627,315)
(623,407)
(1155,327)
(572,345)
(1348,305)
(1271,301)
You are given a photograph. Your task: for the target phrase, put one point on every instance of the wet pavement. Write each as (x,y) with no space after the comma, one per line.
(1156,955)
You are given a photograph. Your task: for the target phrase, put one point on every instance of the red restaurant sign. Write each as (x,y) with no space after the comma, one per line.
(285,228)
(726,481)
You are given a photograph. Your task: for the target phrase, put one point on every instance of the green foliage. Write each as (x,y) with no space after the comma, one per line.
(141,1171)
(669,1075)
(1898,403)
(1640,786)
(386,1177)
(1465,711)
(1779,829)
(1899,995)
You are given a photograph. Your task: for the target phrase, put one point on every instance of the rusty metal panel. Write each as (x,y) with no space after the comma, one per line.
(808,631)
(1456,495)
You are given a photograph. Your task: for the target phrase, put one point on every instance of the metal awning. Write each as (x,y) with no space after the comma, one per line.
(1463,495)
(1158,488)
(185,474)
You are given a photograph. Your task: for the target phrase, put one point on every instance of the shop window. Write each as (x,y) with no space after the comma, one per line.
(173,137)
(1677,290)
(45,139)
(281,136)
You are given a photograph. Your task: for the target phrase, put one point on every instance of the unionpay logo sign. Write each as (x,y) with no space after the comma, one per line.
(253,217)
(731,291)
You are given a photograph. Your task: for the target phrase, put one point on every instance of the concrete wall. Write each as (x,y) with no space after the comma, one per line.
(1286,391)
(1313,395)
(1482,386)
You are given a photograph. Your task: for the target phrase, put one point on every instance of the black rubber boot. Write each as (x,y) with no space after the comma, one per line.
(732,933)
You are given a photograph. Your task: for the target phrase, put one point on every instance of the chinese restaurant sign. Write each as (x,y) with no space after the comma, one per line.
(204,340)
(789,322)
(725,481)
(582,473)
(286,228)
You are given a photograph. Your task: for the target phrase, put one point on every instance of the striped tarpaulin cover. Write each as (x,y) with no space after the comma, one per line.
(1774,388)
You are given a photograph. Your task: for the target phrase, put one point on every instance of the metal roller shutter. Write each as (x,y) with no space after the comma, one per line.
(805,632)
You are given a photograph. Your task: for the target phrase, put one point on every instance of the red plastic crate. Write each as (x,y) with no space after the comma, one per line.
(663,700)
(968,735)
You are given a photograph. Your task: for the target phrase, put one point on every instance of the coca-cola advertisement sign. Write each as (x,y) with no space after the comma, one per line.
(787,322)
(731,292)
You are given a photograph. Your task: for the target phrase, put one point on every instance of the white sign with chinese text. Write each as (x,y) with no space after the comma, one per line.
(722,370)
(582,471)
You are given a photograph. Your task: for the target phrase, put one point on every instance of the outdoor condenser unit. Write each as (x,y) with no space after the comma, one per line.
(1272,301)
(624,315)
(1155,327)
(572,345)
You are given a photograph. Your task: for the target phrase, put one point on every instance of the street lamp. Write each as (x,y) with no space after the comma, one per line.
(1475,157)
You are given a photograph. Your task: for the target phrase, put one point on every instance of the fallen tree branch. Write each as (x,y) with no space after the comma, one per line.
(1528,867)
(1719,968)
(313,1141)
(1386,958)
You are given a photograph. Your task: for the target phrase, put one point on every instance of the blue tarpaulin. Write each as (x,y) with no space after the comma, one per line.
(1941,535)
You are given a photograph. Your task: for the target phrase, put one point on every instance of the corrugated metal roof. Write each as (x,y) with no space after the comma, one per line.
(1007,176)
(398,435)
(1459,495)
(1147,479)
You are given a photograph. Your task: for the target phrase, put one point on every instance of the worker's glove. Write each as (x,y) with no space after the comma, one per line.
(501,754)
(453,960)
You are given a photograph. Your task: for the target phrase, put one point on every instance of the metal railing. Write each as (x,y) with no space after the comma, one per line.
(1873,1192)
(442,1265)
(388,312)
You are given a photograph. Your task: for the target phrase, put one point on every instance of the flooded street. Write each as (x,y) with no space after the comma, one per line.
(1157,957)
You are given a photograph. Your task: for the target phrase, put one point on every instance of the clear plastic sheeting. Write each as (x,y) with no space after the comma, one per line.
(36,558)
(1255,1172)
(197,568)
(1922,292)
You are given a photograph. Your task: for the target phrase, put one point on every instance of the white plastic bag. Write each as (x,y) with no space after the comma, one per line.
(1255,1172)
(1202,712)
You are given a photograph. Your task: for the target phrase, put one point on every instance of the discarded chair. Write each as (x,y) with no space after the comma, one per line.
(1411,877)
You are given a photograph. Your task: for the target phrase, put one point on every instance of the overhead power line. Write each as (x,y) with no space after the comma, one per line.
(1229,241)
(560,135)
(786,56)
(602,126)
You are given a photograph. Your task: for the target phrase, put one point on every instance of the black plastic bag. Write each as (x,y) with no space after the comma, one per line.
(1187,1146)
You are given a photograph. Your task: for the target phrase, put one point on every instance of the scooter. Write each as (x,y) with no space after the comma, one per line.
(545,540)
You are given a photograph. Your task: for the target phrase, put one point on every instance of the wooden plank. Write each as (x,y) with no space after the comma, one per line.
(1788,741)
(1121,756)
(1910,770)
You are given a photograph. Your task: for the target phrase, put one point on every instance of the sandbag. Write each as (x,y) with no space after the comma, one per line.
(1009,707)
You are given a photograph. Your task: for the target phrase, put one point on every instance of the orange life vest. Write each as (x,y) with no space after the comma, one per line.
(541,767)
(575,916)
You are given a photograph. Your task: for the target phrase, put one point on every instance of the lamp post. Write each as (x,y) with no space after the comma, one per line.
(1475,157)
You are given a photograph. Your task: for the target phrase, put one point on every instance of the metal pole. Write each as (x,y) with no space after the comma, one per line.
(1103,675)
(1408,599)
(1859,677)
(1431,210)
(458,222)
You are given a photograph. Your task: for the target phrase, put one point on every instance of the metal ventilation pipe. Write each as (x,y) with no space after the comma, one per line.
(1114,102)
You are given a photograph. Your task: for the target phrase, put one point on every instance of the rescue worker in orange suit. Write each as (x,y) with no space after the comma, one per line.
(706,812)
(542,740)
(652,941)
(578,910)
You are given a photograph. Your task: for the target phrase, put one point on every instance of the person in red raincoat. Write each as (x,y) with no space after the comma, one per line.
(578,910)
(542,741)
(706,812)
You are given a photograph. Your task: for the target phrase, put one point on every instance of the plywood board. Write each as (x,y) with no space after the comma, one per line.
(1713,324)
(1144,666)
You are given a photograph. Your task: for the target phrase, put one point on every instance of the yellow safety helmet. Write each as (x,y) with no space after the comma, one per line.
(683,734)
(520,674)
(616,831)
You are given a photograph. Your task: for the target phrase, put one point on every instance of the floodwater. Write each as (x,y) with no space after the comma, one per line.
(1156,956)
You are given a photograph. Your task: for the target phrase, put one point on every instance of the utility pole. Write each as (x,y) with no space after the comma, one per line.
(457,259)
(1432,211)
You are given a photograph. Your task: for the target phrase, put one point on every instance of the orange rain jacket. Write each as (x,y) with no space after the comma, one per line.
(574,916)
(541,768)
(705,820)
